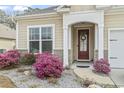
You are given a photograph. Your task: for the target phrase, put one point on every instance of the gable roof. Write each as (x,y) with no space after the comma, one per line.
(51,9)
(47,11)
(41,11)
(7,32)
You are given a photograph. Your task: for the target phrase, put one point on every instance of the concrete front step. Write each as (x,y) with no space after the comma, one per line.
(76,64)
(100,79)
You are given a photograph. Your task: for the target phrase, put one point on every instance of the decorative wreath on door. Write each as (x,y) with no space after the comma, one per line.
(83,37)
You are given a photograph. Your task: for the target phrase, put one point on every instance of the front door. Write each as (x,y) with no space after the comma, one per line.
(83,44)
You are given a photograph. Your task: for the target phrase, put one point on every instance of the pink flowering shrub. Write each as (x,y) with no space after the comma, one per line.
(9,58)
(102,65)
(48,65)
(14,55)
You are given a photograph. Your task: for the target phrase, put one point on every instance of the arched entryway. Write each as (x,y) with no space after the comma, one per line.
(90,24)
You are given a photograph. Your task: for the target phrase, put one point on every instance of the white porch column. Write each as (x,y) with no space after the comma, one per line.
(100,41)
(96,37)
(69,37)
(17,35)
(65,46)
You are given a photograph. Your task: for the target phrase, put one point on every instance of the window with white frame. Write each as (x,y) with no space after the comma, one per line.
(2,50)
(40,39)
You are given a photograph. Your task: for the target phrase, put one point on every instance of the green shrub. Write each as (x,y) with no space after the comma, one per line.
(28,59)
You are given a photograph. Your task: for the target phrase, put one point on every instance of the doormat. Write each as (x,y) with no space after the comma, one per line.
(83,66)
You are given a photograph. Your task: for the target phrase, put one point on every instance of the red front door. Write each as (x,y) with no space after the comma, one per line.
(83,44)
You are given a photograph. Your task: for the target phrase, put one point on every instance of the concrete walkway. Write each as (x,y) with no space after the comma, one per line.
(117,75)
(100,79)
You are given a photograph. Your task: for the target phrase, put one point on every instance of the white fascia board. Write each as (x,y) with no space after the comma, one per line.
(64,10)
(103,6)
(33,15)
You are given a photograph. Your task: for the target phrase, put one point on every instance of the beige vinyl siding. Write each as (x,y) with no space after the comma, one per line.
(7,37)
(117,10)
(56,19)
(114,19)
(6,32)
(77,8)
(7,43)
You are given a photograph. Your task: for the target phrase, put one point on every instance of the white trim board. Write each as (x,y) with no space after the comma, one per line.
(45,25)
(84,12)
(34,15)
(22,49)
(84,60)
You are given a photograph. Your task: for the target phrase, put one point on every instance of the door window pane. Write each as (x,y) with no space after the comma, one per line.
(83,41)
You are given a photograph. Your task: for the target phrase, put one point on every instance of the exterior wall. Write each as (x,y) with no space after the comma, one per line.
(41,20)
(23,51)
(96,54)
(76,8)
(59,52)
(6,32)
(7,44)
(114,18)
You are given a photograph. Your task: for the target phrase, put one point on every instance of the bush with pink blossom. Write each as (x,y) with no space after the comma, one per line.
(48,65)
(102,65)
(9,58)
